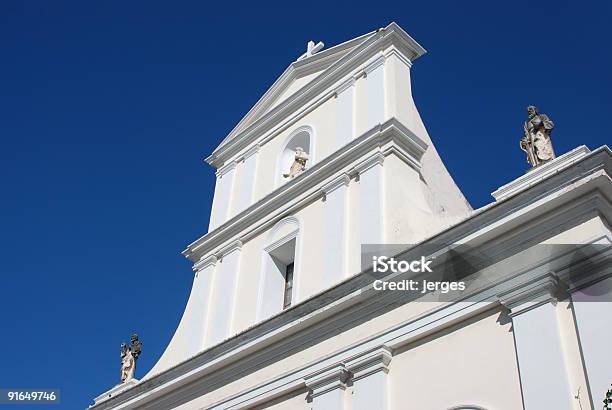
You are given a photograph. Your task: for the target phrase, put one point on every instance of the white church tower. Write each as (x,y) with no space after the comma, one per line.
(281,315)
(372,176)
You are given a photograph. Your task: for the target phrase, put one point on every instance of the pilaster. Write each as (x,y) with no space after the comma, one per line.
(336,229)
(224,189)
(371,219)
(539,350)
(224,303)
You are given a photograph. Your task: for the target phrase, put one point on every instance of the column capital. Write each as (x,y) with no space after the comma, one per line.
(529,295)
(230,166)
(344,86)
(204,263)
(251,151)
(326,380)
(380,60)
(234,246)
(376,159)
(376,360)
(338,182)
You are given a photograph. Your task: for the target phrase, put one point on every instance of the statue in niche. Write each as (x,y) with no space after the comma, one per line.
(536,140)
(129,356)
(299,163)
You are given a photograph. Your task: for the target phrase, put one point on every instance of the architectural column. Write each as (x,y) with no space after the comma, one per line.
(371,199)
(345,106)
(542,369)
(222,308)
(375,80)
(224,188)
(247,179)
(327,388)
(592,311)
(336,230)
(370,384)
(201,294)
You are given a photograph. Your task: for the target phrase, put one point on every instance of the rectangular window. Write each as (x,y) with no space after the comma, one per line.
(288,285)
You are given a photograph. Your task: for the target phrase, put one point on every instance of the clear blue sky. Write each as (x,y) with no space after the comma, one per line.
(108,108)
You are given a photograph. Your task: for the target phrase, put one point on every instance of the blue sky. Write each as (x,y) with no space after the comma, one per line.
(108,108)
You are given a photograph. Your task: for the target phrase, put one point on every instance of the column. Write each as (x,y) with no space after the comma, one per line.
(223,195)
(375,80)
(370,384)
(222,308)
(544,378)
(592,311)
(247,180)
(371,199)
(202,293)
(345,97)
(336,229)
(327,388)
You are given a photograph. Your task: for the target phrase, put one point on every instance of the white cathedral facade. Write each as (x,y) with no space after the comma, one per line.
(283,314)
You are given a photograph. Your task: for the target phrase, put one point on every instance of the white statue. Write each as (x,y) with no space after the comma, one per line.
(129,355)
(536,141)
(299,163)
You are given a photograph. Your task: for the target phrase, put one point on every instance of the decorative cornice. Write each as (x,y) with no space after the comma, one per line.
(344,86)
(234,246)
(251,151)
(375,361)
(393,52)
(392,35)
(327,380)
(204,263)
(340,181)
(225,169)
(526,296)
(379,61)
(535,175)
(281,201)
(377,159)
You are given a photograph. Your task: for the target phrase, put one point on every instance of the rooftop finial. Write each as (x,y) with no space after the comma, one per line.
(311,49)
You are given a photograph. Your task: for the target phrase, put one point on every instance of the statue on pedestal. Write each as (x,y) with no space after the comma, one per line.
(129,356)
(299,163)
(536,140)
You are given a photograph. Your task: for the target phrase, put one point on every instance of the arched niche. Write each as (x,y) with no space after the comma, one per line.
(300,137)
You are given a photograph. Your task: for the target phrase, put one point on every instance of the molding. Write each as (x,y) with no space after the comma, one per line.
(281,241)
(376,159)
(226,168)
(527,296)
(379,61)
(251,151)
(394,53)
(327,380)
(368,364)
(296,193)
(204,263)
(234,246)
(539,173)
(353,300)
(320,61)
(392,35)
(344,86)
(119,388)
(340,181)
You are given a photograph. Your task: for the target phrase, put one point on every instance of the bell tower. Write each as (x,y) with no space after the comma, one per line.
(333,156)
